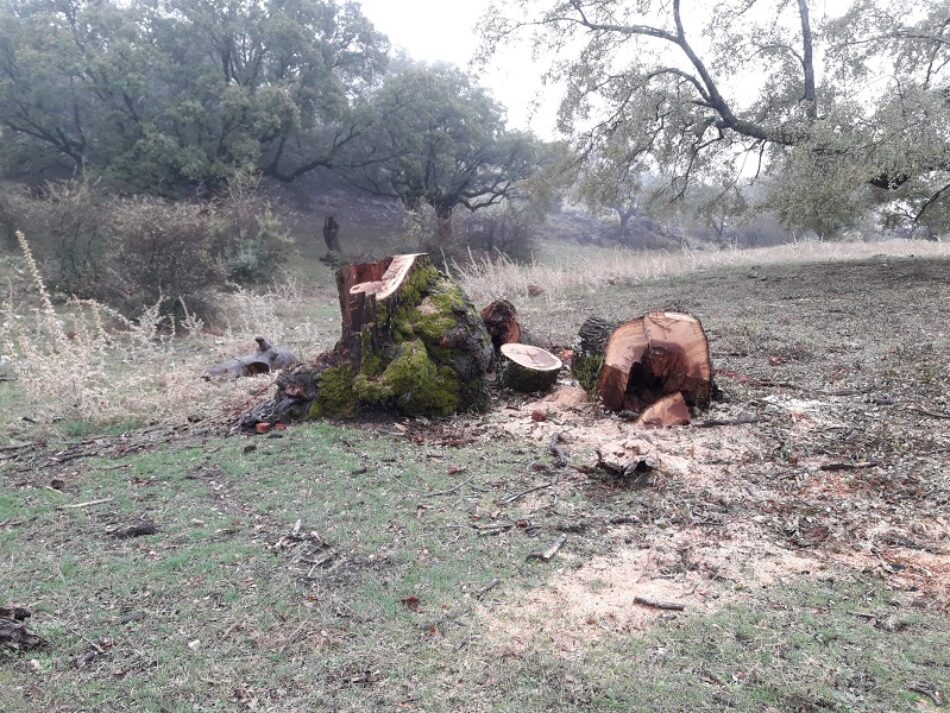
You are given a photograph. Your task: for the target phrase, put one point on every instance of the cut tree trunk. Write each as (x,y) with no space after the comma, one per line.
(646,359)
(527,369)
(411,343)
(501,320)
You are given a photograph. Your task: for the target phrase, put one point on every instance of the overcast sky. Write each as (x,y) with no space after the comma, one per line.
(445,31)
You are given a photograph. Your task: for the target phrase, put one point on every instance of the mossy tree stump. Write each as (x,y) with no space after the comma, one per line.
(411,343)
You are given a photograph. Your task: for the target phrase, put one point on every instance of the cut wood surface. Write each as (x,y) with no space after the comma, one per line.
(669,411)
(528,369)
(661,353)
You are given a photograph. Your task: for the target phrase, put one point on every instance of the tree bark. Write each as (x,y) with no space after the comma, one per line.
(501,320)
(527,369)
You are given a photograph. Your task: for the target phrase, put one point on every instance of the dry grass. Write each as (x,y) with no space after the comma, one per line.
(86,362)
(593,268)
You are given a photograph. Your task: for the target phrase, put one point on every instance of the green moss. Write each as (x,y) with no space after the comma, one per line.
(412,383)
(586,369)
(336,396)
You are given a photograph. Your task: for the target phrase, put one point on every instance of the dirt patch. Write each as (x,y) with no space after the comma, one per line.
(841,469)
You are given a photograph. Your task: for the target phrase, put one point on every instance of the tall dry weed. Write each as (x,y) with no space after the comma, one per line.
(87,361)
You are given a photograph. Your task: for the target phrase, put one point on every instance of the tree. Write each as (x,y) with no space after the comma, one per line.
(837,110)
(166,94)
(436,139)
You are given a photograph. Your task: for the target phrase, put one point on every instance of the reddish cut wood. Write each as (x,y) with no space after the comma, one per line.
(661,353)
(501,320)
(669,411)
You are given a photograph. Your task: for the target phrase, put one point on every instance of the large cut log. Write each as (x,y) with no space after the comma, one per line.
(661,353)
(526,368)
(411,342)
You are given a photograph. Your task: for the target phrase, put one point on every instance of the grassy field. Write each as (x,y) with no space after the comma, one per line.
(384,566)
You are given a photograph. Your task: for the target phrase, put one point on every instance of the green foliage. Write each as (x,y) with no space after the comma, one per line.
(161,96)
(132,253)
(443,143)
(838,109)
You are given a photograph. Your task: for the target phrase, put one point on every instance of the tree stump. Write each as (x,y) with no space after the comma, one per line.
(589,352)
(526,368)
(661,353)
(411,343)
(501,320)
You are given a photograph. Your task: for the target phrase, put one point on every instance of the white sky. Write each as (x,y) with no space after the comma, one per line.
(445,31)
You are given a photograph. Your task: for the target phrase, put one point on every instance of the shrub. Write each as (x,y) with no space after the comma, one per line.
(131,253)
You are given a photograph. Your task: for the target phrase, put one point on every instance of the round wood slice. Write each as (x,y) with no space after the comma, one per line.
(528,369)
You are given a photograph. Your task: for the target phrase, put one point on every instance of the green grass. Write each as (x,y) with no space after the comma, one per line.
(345,639)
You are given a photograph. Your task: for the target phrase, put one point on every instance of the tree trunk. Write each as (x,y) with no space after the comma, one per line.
(527,369)
(411,343)
(331,235)
(443,223)
(657,355)
(589,353)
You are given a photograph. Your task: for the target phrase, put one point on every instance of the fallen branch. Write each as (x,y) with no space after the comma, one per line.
(517,496)
(487,588)
(653,604)
(927,412)
(449,491)
(90,503)
(560,455)
(849,466)
(548,554)
(713,423)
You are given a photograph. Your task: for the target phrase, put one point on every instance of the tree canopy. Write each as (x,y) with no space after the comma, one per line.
(835,112)
(165,94)
(437,139)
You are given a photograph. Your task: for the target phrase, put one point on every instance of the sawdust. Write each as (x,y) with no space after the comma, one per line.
(689,568)
(702,566)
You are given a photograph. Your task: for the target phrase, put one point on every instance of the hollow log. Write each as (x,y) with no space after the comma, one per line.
(266,359)
(526,368)
(411,343)
(661,353)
